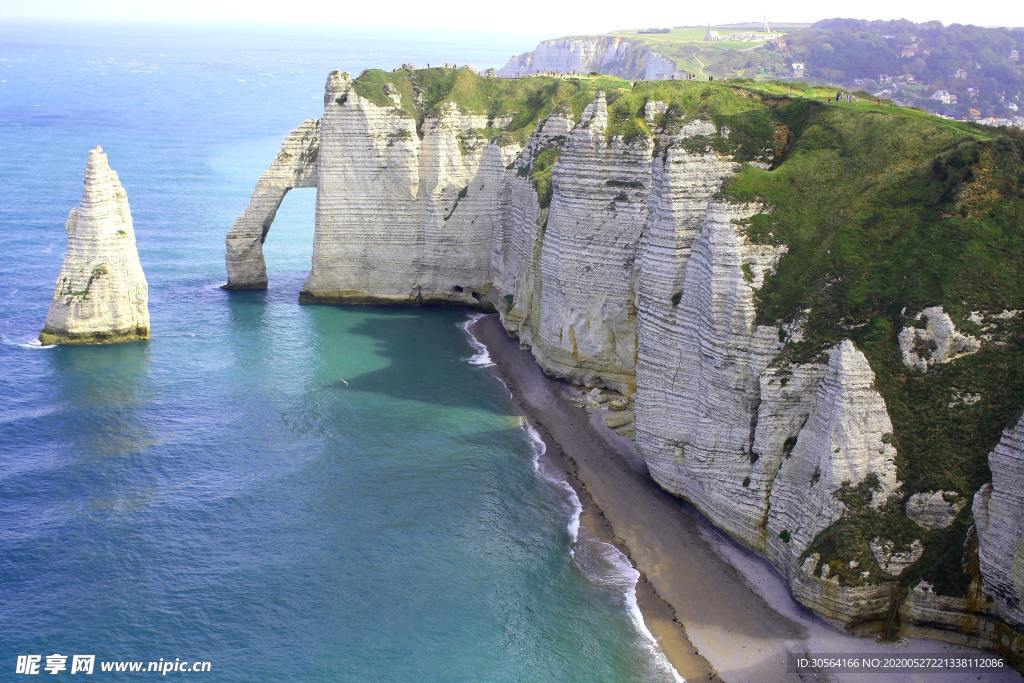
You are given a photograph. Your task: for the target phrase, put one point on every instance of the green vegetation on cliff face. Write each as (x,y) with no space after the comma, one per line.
(540,174)
(886,212)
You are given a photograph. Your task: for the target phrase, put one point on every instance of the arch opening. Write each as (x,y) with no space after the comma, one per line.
(295,166)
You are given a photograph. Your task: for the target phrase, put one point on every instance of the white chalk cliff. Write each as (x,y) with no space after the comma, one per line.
(613,55)
(101,294)
(999,517)
(637,276)
(295,166)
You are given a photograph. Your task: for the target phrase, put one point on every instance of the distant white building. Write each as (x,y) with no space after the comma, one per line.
(711,36)
(960,75)
(1017,121)
(798,69)
(908,51)
(944,96)
(1012,106)
(1014,56)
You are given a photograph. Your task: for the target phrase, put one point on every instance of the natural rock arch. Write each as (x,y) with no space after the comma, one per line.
(294,166)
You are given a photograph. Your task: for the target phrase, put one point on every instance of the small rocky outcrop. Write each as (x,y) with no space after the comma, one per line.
(295,166)
(935,510)
(842,444)
(937,342)
(893,560)
(101,295)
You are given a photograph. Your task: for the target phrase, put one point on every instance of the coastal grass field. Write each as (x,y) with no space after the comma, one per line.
(686,47)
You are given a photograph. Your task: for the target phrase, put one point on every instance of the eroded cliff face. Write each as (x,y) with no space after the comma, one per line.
(390,221)
(631,269)
(611,55)
(586,310)
(294,166)
(999,516)
(101,295)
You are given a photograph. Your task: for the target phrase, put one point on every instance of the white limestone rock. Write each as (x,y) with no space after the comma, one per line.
(845,439)
(613,55)
(519,235)
(938,342)
(294,166)
(999,520)
(935,509)
(586,325)
(892,560)
(814,585)
(101,294)
(653,109)
(682,186)
(400,217)
(699,372)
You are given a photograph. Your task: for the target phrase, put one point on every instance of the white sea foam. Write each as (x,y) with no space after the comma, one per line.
(620,564)
(544,472)
(505,386)
(605,565)
(33,344)
(482,357)
(601,563)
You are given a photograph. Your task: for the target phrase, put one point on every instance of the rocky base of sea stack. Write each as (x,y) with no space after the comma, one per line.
(50,337)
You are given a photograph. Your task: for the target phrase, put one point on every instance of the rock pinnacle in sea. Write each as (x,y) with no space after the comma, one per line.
(101,295)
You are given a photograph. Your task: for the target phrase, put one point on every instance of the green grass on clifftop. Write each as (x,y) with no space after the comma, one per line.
(527,101)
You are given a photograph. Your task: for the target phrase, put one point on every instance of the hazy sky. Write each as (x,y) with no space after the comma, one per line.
(545,17)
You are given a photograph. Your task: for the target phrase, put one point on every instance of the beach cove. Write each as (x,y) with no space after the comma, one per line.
(718,611)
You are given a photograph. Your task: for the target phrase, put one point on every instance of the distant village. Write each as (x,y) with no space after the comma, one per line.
(952,96)
(905,89)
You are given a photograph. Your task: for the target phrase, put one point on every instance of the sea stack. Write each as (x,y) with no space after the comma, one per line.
(101,295)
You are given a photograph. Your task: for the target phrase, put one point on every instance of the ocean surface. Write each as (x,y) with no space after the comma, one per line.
(218,493)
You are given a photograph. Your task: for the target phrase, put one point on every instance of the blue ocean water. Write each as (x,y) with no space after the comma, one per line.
(217,494)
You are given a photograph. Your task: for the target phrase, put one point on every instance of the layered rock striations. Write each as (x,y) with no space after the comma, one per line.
(612,249)
(388,221)
(101,295)
(999,516)
(696,404)
(586,326)
(295,166)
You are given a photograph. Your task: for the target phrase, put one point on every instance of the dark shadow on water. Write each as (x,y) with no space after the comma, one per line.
(427,357)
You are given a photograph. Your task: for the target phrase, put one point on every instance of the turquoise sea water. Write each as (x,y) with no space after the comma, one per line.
(217,494)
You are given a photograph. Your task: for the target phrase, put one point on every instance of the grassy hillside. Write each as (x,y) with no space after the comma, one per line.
(980,66)
(885,213)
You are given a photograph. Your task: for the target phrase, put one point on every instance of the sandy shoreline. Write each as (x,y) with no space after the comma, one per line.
(718,611)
